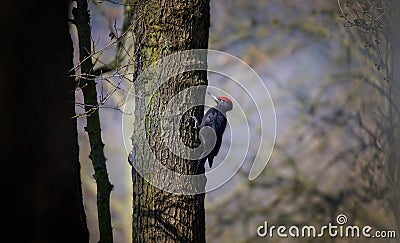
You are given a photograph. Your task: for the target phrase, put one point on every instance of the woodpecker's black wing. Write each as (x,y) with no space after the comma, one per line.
(217,121)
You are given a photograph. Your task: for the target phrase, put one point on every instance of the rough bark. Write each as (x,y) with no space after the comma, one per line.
(38,138)
(88,86)
(162,27)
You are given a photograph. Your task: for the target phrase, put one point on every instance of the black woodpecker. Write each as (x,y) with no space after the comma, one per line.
(215,118)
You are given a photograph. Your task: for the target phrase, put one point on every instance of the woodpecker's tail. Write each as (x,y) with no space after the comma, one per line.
(210,161)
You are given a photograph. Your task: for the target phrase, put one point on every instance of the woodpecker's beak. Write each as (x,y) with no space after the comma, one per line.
(214,97)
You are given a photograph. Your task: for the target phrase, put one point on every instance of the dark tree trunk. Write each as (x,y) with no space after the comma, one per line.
(88,86)
(162,27)
(39,138)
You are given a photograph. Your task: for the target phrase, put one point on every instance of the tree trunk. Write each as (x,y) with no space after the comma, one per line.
(39,138)
(88,86)
(162,27)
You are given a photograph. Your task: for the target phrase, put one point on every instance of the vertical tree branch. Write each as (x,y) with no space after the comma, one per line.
(88,86)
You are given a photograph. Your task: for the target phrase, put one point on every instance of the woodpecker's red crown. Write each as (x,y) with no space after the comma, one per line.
(226,99)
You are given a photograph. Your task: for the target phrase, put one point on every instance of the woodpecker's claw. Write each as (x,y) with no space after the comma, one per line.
(131,158)
(196,122)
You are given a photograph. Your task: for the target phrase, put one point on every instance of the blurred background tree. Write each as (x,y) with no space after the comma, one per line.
(376,26)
